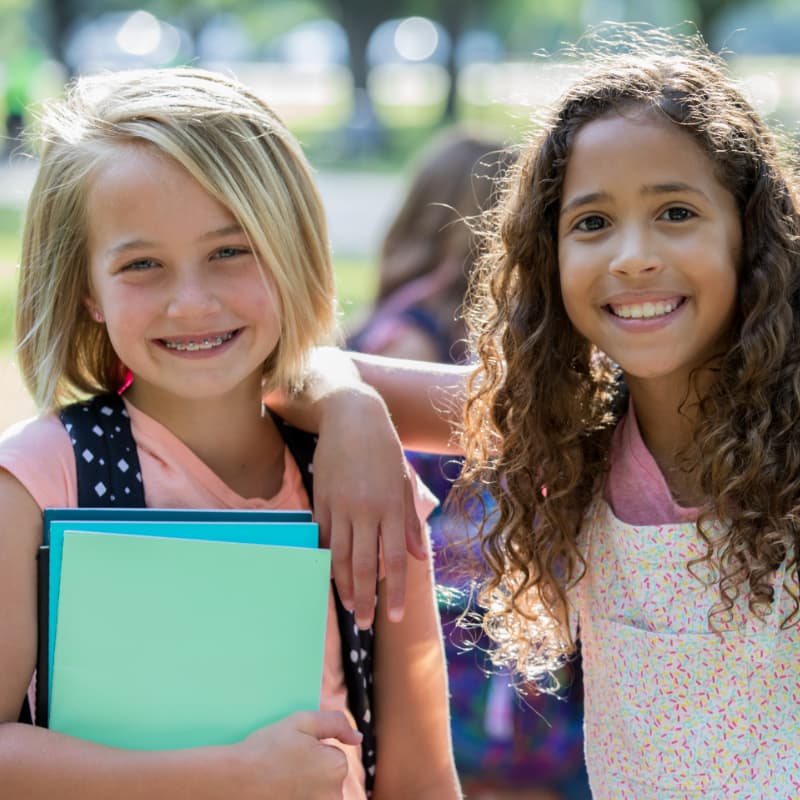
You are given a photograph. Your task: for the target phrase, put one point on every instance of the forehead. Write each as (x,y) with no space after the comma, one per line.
(135,189)
(636,146)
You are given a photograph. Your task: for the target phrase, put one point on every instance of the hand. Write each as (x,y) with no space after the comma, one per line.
(363,494)
(289,760)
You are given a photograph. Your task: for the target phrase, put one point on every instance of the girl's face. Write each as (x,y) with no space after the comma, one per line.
(648,246)
(187,307)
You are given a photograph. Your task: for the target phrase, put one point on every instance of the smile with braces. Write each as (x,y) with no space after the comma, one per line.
(206,344)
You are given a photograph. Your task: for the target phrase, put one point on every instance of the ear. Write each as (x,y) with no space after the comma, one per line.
(94,310)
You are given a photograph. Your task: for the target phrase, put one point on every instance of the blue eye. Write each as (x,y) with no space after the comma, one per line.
(230,252)
(678,214)
(140,265)
(592,223)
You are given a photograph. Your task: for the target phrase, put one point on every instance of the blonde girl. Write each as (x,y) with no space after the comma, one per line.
(175,252)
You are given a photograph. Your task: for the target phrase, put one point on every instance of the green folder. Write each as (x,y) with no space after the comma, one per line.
(168,643)
(261,528)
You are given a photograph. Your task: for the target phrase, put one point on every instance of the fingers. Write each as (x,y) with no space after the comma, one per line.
(354,555)
(326,725)
(393,540)
(415,541)
(341,544)
(322,516)
(365,569)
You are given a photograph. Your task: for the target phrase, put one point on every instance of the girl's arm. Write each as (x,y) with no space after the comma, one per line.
(361,487)
(424,398)
(286,760)
(411,699)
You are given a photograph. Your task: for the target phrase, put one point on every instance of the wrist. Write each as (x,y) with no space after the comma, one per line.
(358,402)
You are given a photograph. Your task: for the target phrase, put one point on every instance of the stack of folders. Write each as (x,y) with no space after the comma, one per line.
(164,629)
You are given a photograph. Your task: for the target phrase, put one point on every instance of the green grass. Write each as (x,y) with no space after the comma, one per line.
(10,220)
(8,290)
(10,228)
(356,281)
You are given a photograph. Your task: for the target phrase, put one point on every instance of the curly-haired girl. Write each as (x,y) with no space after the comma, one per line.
(635,407)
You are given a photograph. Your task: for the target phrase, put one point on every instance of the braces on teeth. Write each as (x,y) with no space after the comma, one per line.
(206,344)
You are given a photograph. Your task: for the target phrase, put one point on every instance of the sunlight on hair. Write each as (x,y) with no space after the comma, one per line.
(527,636)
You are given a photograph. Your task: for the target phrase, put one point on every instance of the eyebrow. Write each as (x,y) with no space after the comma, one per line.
(584,200)
(136,244)
(654,189)
(670,188)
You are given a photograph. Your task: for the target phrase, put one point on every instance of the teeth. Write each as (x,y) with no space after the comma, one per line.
(644,310)
(206,344)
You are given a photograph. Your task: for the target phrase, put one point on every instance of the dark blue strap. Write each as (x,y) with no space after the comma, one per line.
(105,453)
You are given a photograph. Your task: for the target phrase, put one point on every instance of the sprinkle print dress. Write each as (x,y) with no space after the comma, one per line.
(672,709)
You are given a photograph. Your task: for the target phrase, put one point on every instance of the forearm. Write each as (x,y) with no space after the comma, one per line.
(424,398)
(38,763)
(411,705)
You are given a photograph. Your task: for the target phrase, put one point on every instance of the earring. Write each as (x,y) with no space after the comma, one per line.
(97,316)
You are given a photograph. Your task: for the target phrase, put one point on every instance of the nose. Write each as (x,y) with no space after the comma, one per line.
(192,295)
(636,254)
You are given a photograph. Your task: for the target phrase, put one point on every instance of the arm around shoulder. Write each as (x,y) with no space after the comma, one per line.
(424,398)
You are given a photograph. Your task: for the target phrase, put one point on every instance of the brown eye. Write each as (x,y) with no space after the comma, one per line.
(592,223)
(677,214)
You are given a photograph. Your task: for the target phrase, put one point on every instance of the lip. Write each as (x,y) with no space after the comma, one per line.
(199,345)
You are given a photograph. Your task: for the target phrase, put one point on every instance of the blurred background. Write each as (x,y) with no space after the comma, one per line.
(364,85)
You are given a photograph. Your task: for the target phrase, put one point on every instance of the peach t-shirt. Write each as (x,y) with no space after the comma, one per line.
(39,454)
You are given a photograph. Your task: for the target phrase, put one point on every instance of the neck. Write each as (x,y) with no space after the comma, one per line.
(667,417)
(228,433)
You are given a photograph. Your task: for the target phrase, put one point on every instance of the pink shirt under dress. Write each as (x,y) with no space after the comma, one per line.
(39,454)
(673,709)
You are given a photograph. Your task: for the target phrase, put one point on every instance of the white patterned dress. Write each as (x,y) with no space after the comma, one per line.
(674,710)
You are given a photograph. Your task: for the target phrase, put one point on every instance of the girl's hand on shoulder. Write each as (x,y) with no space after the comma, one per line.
(362,496)
(290,760)
(362,489)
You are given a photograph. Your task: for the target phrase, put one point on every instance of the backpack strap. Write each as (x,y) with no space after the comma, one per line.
(357,644)
(107,466)
(106,459)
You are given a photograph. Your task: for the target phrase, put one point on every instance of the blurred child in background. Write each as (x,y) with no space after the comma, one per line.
(503,749)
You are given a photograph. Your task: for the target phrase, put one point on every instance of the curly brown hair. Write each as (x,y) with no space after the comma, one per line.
(543,402)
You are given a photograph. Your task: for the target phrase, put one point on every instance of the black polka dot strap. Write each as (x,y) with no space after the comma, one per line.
(105,453)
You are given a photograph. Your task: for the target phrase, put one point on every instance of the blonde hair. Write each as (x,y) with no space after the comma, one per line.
(234,146)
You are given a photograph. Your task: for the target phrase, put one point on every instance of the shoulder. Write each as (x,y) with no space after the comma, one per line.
(34,433)
(38,453)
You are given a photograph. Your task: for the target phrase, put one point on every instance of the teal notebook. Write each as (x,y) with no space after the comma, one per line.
(168,643)
(206,525)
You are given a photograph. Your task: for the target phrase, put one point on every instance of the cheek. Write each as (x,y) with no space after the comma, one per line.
(270,297)
(573,286)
